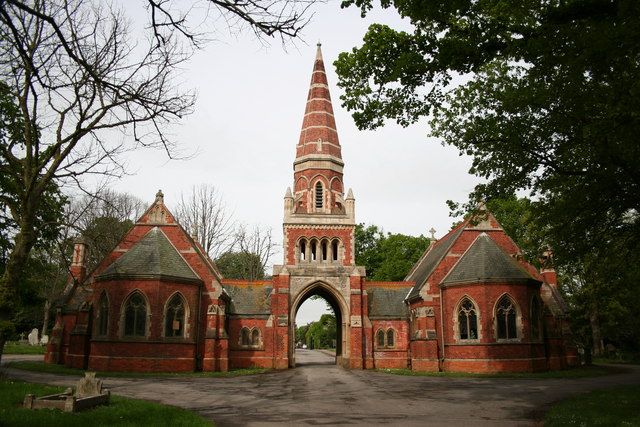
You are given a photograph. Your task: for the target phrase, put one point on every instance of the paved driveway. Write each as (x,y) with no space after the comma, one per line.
(316,393)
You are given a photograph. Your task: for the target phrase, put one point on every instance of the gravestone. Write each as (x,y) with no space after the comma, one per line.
(44,340)
(89,386)
(33,337)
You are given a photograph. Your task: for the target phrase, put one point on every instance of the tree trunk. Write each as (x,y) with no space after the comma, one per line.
(2,341)
(598,348)
(10,280)
(45,323)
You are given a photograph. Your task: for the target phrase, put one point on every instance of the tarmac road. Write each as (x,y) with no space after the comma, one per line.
(317,393)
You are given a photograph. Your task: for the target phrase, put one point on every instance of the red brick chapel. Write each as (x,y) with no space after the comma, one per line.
(158,303)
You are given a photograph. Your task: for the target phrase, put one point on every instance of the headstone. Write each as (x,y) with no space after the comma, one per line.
(33,337)
(89,386)
(44,340)
(23,337)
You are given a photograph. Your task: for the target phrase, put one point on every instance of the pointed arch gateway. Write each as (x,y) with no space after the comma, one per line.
(340,310)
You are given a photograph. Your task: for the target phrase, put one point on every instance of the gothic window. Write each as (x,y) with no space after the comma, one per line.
(245,337)
(174,320)
(135,316)
(467,320)
(386,339)
(325,249)
(303,250)
(314,247)
(103,315)
(334,250)
(506,319)
(391,338)
(319,195)
(255,337)
(536,317)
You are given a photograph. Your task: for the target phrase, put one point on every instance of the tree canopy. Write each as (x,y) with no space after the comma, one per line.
(542,94)
(387,257)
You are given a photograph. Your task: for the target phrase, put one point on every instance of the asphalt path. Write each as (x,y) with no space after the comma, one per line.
(320,393)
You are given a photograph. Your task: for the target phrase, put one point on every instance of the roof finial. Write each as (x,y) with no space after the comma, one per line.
(159,196)
(319,51)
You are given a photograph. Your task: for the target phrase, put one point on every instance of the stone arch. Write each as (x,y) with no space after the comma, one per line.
(302,183)
(336,184)
(340,309)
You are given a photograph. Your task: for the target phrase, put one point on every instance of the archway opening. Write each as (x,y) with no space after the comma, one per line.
(318,329)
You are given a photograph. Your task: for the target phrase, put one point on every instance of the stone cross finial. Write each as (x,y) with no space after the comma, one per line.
(159,196)
(433,233)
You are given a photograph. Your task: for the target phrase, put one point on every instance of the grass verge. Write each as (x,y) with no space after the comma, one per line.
(581,372)
(120,412)
(63,370)
(611,407)
(14,347)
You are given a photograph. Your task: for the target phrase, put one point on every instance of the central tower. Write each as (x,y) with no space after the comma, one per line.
(318,219)
(318,226)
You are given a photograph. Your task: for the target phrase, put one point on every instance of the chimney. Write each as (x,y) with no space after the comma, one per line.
(78,268)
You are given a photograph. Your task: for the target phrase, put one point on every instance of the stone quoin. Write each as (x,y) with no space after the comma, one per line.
(158,303)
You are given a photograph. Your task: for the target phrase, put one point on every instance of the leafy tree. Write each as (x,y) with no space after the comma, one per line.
(542,94)
(323,333)
(240,265)
(387,257)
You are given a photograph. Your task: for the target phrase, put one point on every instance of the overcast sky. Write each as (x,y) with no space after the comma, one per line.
(247,120)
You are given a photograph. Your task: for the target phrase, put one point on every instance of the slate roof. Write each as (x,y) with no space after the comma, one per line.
(249,298)
(387,302)
(430,260)
(152,257)
(484,262)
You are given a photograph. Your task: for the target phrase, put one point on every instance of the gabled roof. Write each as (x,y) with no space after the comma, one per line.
(430,261)
(153,257)
(248,298)
(485,262)
(387,302)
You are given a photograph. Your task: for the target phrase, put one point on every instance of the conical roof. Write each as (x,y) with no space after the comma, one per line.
(485,262)
(319,134)
(153,257)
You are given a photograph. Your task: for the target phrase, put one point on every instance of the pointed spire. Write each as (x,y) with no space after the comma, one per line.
(319,134)
(287,194)
(350,195)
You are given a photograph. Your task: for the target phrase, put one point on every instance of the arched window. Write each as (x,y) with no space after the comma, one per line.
(467,320)
(135,316)
(334,249)
(303,250)
(255,337)
(391,338)
(174,319)
(380,338)
(536,317)
(506,319)
(102,320)
(325,249)
(319,195)
(245,337)
(314,248)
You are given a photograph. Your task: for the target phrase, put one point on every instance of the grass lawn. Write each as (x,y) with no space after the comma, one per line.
(581,372)
(120,412)
(59,369)
(15,347)
(617,406)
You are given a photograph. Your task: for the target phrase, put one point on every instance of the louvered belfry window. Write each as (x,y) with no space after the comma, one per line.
(319,195)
